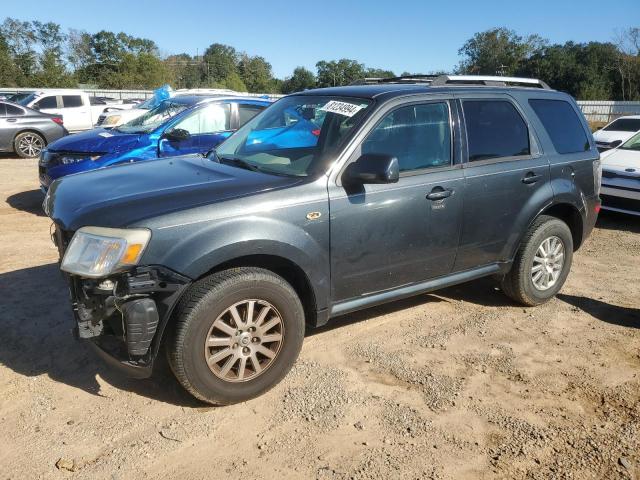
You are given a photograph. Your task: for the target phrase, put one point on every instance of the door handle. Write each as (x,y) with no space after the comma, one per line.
(11,120)
(439,193)
(530,178)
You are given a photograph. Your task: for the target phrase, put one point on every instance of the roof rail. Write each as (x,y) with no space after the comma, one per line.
(403,79)
(493,81)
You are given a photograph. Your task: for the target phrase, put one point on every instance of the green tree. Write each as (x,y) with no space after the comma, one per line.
(186,71)
(7,68)
(302,79)
(341,72)
(220,62)
(379,73)
(256,74)
(498,51)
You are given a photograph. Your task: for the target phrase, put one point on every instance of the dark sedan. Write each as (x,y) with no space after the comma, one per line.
(26,131)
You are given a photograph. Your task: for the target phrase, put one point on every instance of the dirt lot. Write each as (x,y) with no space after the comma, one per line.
(454,385)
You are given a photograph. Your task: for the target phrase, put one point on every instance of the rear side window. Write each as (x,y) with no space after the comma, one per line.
(46,102)
(418,135)
(624,125)
(247,112)
(562,124)
(70,101)
(13,111)
(495,129)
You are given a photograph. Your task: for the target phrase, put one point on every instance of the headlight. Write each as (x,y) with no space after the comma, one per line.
(96,252)
(70,159)
(112,119)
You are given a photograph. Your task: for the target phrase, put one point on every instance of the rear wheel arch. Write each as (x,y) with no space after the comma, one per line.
(570,215)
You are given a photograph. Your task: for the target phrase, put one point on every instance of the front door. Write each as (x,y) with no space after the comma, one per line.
(208,126)
(392,235)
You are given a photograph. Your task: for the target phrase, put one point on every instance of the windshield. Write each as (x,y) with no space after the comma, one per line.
(624,125)
(296,136)
(632,144)
(28,99)
(152,119)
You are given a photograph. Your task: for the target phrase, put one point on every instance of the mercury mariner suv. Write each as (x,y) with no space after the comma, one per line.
(327,202)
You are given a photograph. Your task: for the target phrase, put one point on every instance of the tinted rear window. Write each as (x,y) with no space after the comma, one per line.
(562,124)
(624,125)
(495,129)
(71,101)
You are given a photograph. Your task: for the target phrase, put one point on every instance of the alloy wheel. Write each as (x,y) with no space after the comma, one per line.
(548,263)
(244,340)
(30,145)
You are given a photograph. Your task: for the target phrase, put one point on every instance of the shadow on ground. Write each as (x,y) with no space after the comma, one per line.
(36,339)
(29,201)
(606,312)
(618,221)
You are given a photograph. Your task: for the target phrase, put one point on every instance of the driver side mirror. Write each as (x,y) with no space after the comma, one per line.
(177,135)
(372,168)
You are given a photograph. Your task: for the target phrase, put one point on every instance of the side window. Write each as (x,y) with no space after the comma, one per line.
(3,110)
(562,124)
(247,112)
(495,129)
(71,101)
(13,111)
(209,119)
(47,102)
(418,135)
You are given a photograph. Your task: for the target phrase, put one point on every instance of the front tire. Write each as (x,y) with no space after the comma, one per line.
(237,334)
(542,263)
(28,144)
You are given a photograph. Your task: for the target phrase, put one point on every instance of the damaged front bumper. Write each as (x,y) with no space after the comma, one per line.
(124,316)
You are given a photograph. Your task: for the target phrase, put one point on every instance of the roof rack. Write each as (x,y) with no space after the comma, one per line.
(441,80)
(403,79)
(487,80)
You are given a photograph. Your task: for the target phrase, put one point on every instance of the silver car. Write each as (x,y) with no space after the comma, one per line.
(26,131)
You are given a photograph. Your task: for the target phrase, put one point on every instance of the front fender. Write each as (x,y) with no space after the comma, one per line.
(195,249)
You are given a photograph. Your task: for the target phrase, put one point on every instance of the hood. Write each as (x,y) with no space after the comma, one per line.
(122,195)
(608,136)
(98,140)
(622,160)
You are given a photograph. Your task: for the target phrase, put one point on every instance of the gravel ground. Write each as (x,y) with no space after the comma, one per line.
(458,384)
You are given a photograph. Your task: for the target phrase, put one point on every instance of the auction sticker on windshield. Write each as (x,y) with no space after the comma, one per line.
(342,108)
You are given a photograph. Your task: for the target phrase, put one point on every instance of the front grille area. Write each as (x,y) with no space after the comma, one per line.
(621,203)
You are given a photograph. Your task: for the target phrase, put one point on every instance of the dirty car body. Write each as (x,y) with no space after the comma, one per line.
(421,223)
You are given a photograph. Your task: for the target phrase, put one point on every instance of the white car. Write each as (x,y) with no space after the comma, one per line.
(74,105)
(114,119)
(617,132)
(620,190)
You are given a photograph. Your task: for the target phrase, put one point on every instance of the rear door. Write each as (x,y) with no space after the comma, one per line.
(7,129)
(506,178)
(392,235)
(76,114)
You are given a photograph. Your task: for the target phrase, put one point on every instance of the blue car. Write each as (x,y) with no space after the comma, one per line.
(177,126)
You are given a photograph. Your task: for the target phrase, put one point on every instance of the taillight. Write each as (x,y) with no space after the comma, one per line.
(316,132)
(597,176)
(58,120)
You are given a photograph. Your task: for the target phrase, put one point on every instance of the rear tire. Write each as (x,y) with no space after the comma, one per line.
(542,263)
(28,144)
(237,334)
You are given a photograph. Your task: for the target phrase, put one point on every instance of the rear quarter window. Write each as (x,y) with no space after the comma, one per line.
(562,124)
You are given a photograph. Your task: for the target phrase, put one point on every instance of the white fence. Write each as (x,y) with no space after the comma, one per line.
(606,111)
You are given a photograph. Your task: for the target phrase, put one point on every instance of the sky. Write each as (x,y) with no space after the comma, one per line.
(400,35)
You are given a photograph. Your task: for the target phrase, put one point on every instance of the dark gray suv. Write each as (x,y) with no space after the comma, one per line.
(328,202)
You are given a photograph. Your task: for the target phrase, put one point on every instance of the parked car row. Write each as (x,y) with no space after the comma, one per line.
(323,203)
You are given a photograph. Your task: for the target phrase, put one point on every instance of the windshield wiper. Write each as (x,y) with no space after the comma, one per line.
(238,162)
